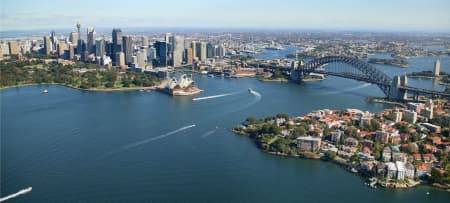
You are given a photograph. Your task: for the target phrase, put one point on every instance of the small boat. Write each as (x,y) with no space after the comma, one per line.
(44,91)
(204,72)
(428,193)
(250,90)
(211,75)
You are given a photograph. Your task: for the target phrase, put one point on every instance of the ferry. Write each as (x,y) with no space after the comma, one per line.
(45,91)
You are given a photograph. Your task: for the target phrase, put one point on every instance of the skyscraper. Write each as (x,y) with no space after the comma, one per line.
(100,48)
(62,48)
(120,56)
(47,45)
(91,40)
(54,41)
(189,56)
(73,38)
(194,49)
(221,51)
(202,55)
(210,52)
(161,53)
(14,49)
(178,48)
(127,43)
(145,41)
(116,43)
(437,68)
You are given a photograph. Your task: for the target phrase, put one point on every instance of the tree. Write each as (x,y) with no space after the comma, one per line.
(299,131)
(374,125)
(251,120)
(329,155)
(436,175)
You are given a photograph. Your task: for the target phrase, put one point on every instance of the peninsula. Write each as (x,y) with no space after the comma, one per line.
(392,62)
(396,148)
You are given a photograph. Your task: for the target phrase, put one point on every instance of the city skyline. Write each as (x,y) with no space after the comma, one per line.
(429,16)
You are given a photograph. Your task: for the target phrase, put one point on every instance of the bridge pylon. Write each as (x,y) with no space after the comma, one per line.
(395,92)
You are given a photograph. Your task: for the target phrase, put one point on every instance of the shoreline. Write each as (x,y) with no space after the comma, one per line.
(343,163)
(121,89)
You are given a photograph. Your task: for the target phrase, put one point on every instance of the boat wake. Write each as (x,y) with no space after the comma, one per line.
(132,145)
(214,96)
(206,134)
(21,192)
(347,90)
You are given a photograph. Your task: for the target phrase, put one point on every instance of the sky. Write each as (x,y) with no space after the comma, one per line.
(375,15)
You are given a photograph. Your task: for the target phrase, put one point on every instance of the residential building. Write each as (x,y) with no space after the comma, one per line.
(401,170)
(410,116)
(311,144)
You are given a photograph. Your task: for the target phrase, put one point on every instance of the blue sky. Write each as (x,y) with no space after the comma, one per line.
(386,15)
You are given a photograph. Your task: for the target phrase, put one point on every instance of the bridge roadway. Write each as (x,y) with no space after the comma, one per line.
(385,85)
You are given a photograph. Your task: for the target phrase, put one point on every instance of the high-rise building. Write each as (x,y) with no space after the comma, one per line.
(14,48)
(47,45)
(144,40)
(200,49)
(116,44)
(221,51)
(120,56)
(161,53)
(54,41)
(178,48)
(437,68)
(189,56)
(100,48)
(210,52)
(91,40)
(203,51)
(62,48)
(71,51)
(141,58)
(127,43)
(194,49)
(4,49)
(73,38)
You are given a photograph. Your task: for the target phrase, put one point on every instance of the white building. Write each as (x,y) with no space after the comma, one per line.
(391,170)
(410,116)
(401,170)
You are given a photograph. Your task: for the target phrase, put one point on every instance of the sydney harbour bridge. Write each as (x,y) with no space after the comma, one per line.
(395,88)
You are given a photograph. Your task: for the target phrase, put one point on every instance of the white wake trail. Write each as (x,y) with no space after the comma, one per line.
(347,90)
(21,192)
(214,96)
(208,133)
(157,137)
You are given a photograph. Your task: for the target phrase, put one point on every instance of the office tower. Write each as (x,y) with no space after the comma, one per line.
(161,53)
(47,45)
(71,51)
(73,38)
(14,49)
(167,37)
(151,53)
(178,48)
(189,56)
(203,51)
(91,40)
(141,58)
(437,68)
(127,46)
(62,47)
(120,56)
(54,40)
(100,48)
(116,43)
(210,52)
(194,49)
(221,51)
(4,49)
(144,41)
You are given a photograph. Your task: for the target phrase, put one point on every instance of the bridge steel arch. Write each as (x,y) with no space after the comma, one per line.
(369,73)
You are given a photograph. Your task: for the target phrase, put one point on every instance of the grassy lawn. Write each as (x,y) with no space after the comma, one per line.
(273,140)
(37,66)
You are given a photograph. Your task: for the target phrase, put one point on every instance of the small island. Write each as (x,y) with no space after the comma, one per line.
(389,148)
(392,62)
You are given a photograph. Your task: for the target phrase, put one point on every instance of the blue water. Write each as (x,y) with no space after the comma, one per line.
(77,146)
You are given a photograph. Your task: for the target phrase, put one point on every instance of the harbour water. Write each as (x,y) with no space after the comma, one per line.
(77,146)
